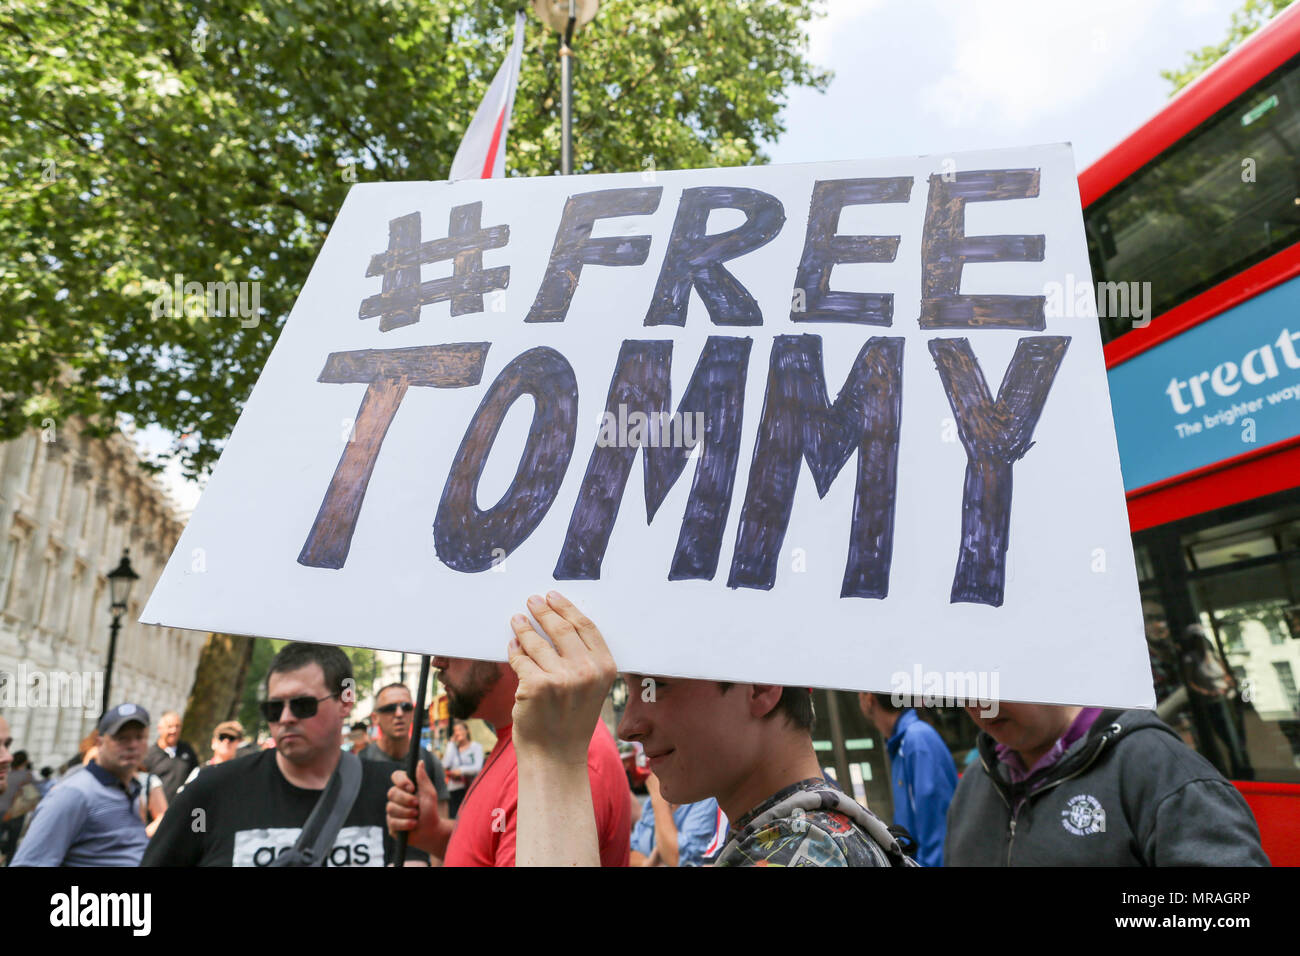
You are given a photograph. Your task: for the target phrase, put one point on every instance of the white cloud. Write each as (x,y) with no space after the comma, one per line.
(1016,61)
(839,15)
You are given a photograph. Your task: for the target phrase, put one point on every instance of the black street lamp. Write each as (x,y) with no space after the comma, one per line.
(120,580)
(565,17)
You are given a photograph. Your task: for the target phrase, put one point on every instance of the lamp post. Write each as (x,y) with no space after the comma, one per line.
(120,580)
(566,17)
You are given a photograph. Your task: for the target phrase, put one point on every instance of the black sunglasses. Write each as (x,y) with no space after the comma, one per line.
(300,707)
(226,738)
(405,707)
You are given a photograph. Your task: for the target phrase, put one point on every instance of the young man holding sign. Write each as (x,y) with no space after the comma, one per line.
(743,744)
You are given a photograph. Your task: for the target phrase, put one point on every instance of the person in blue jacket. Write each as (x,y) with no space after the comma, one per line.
(921,772)
(692,834)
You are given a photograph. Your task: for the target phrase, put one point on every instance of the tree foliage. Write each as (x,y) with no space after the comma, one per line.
(1253,15)
(214,140)
(218,684)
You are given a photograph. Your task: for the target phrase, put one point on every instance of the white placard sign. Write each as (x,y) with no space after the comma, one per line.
(818,425)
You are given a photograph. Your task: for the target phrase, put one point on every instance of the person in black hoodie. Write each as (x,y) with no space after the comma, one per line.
(1074,786)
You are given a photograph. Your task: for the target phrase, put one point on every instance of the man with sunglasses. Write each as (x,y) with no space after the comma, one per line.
(225,746)
(393,715)
(248,812)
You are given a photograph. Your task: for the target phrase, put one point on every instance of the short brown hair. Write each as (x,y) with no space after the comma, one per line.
(885,701)
(334,664)
(229,727)
(796,703)
(396,685)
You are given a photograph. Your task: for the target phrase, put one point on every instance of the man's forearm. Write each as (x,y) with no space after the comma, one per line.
(556,819)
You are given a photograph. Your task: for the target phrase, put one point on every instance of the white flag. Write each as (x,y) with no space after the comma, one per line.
(482,153)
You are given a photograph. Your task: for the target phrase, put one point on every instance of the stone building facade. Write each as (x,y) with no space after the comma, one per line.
(69,505)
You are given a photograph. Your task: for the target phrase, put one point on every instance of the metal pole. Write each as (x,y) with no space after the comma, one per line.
(413,754)
(112,652)
(840,752)
(566,93)
(401,679)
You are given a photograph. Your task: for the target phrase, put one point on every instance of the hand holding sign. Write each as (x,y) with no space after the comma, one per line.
(416,813)
(562,685)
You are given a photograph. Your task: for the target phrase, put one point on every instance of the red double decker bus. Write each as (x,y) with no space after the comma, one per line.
(1193,228)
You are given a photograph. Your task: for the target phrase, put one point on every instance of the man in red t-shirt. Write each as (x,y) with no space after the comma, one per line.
(483,833)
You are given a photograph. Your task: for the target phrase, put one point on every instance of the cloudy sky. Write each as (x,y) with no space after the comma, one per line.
(940,76)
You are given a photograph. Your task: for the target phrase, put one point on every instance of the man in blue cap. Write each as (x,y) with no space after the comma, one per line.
(93,818)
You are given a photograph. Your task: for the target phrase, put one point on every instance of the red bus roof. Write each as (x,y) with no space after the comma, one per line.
(1232,76)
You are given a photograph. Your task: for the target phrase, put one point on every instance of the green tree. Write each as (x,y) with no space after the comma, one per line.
(218,683)
(254,688)
(1253,15)
(215,140)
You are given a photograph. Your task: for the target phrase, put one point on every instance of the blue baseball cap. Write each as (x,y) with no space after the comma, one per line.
(121,715)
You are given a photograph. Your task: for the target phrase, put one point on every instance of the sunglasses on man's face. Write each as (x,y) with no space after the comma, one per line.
(405,707)
(228,738)
(300,707)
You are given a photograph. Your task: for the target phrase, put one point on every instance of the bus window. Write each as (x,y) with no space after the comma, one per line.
(1241,661)
(1223,198)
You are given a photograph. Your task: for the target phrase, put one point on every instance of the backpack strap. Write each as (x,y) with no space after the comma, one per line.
(335,803)
(833,800)
(906,842)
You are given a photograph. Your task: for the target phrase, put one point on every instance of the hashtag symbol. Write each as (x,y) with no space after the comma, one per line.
(402,293)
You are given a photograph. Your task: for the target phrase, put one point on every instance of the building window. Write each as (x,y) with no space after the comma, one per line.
(1286,677)
(9,568)
(49,575)
(30,449)
(74,602)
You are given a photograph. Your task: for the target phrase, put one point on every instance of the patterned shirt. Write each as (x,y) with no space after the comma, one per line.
(811,823)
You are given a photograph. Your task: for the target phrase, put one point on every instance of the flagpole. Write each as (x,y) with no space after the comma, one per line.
(413,754)
(566,92)
(566,17)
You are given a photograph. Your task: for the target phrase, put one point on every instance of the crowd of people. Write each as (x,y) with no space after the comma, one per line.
(734,779)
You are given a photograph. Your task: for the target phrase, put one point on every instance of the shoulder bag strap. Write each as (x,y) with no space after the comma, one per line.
(333,807)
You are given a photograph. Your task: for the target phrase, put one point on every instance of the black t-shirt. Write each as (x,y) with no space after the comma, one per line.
(245,813)
(432,766)
(172,771)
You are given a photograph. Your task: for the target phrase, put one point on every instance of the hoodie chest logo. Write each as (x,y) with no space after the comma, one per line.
(1083,814)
